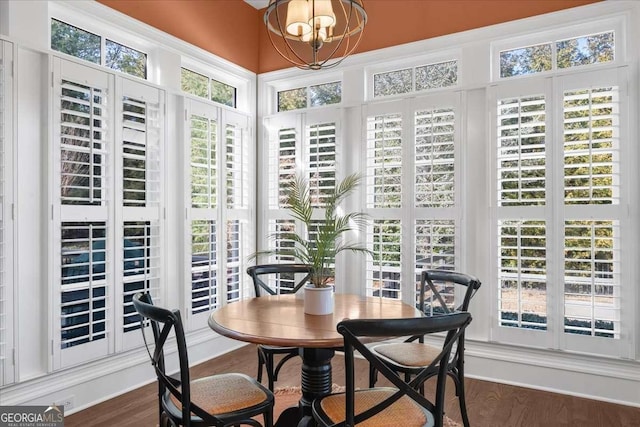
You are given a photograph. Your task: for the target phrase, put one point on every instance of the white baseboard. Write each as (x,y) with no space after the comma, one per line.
(608,380)
(97,381)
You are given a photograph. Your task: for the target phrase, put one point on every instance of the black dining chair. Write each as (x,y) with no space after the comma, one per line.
(219,400)
(439,291)
(274,279)
(402,404)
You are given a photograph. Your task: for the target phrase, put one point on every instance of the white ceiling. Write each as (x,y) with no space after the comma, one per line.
(258,4)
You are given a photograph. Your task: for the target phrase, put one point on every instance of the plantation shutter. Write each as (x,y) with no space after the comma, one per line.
(412,193)
(303,143)
(436,193)
(202,168)
(237,215)
(219,217)
(386,130)
(7,365)
(597,283)
(321,160)
(560,208)
(140,195)
(522,152)
(83,229)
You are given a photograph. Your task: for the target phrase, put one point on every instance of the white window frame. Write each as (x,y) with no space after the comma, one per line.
(105,31)
(221,213)
(299,120)
(414,62)
(213,73)
(617,24)
(408,213)
(111,212)
(271,90)
(555,211)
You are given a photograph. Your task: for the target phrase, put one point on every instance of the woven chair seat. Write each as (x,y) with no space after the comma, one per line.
(409,354)
(404,412)
(224,393)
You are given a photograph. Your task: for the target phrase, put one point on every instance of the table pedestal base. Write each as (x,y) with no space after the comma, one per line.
(316,382)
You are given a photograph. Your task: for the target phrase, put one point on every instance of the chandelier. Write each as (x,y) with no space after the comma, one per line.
(315,34)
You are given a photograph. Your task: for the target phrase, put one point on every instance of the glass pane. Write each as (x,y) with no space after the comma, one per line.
(203,162)
(525,60)
(326,94)
(134,151)
(236,168)
(434,76)
(392,83)
(83,287)
(194,83)
(286,163)
(234,259)
(293,99)
(223,93)
(204,268)
(435,242)
(383,270)
(73,41)
(591,157)
(141,267)
(521,151)
(522,274)
(125,59)
(585,50)
(434,154)
(83,143)
(282,231)
(321,162)
(384,161)
(592,278)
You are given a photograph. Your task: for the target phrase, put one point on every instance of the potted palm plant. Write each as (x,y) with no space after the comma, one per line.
(322,238)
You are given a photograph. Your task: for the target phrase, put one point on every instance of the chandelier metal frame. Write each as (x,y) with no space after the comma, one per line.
(331,30)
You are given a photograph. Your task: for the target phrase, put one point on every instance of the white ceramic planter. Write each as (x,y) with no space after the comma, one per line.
(318,301)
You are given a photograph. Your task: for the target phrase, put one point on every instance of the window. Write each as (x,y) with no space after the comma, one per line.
(305,144)
(424,77)
(411,192)
(217,161)
(311,96)
(567,53)
(109,240)
(85,45)
(209,88)
(559,212)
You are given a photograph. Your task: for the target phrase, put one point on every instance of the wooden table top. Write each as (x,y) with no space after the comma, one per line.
(280,319)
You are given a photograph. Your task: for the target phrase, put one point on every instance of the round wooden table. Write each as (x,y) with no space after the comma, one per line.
(280,320)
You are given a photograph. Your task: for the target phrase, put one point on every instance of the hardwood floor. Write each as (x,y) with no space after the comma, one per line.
(489,404)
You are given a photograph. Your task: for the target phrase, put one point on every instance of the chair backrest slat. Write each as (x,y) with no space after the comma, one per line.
(280,273)
(355,330)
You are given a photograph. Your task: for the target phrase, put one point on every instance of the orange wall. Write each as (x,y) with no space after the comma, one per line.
(235,31)
(227,28)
